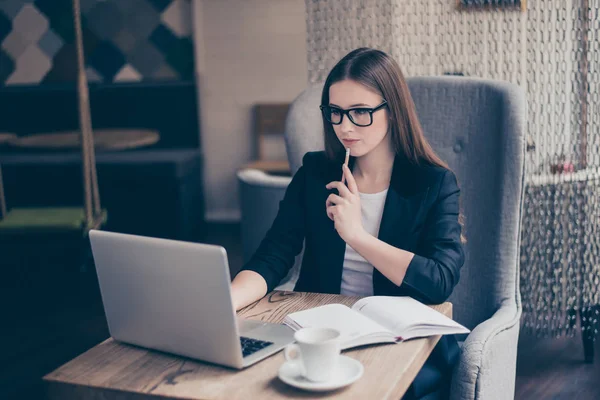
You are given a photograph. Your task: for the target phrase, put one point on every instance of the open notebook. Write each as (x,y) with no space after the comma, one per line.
(377,319)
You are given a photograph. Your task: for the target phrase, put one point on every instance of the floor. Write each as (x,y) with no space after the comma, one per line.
(554,369)
(34,341)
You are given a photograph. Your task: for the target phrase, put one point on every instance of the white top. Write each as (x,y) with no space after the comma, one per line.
(357,276)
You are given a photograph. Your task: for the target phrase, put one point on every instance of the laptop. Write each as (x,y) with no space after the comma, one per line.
(175,297)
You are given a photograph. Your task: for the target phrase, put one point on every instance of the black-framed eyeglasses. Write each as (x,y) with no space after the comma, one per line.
(359,116)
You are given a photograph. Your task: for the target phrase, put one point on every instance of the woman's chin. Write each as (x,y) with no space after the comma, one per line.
(357,152)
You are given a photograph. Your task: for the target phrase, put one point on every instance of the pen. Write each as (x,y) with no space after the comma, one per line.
(346,163)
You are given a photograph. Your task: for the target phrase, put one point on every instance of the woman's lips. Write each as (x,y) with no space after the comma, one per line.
(350,141)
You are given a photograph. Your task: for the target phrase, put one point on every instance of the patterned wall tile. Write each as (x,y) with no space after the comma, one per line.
(5,26)
(87,5)
(7,66)
(124,40)
(50,43)
(177,18)
(107,60)
(178,58)
(163,38)
(64,66)
(143,21)
(175,50)
(90,41)
(165,73)
(160,5)
(128,74)
(30,23)
(92,75)
(11,7)
(60,17)
(104,20)
(14,44)
(32,65)
(146,58)
(128,7)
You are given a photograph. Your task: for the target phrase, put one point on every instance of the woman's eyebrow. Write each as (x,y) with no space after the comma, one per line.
(353,105)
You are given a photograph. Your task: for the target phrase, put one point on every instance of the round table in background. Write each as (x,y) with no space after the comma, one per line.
(104,139)
(6,138)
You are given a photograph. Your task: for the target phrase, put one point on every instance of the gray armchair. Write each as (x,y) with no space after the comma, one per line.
(260,194)
(477,126)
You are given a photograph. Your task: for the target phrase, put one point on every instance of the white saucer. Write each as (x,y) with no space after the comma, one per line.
(349,371)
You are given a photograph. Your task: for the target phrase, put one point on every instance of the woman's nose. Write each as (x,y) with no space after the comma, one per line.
(346,125)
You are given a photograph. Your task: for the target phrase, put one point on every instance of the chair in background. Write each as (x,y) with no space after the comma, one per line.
(260,194)
(476,126)
(262,183)
(269,125)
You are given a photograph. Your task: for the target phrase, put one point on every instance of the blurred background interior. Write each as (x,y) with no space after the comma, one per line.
(187,107)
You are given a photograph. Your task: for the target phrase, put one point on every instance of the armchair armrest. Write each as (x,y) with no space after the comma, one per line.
(257,177)
(487,366)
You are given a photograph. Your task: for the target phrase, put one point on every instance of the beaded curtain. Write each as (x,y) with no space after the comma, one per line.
(552,49)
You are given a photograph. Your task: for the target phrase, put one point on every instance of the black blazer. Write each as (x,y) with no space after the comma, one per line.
(420,215)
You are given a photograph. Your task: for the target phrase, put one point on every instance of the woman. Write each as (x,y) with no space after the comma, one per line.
(386,224)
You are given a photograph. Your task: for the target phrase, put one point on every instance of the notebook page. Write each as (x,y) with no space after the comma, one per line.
(403,314)
(351,324)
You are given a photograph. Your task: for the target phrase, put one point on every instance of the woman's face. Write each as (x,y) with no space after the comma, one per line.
(348,94)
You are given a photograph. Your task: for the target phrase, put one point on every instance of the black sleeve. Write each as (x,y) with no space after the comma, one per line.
(283,242)
(435,268)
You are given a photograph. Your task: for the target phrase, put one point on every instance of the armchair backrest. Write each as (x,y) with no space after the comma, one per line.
(477,126)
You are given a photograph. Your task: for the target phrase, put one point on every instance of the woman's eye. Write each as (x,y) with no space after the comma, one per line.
(361,111)
(335,111)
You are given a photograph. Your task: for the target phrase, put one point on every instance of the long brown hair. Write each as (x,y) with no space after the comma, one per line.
(382,74)
(379,72)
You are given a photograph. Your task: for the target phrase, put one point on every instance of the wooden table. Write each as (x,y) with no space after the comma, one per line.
(116,371)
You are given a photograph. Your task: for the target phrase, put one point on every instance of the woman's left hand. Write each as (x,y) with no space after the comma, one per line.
(344,210)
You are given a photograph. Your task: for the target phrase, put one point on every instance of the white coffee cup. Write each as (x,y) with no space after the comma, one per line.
(317,352)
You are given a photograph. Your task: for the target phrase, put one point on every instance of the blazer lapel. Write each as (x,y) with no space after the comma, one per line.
(404,199)
(402,206)
(336,245)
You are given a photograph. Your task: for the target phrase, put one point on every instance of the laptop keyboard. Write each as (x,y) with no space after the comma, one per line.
(250,346)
